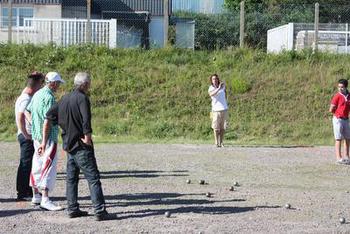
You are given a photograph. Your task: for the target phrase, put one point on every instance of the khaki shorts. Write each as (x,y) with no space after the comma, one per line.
(219,120)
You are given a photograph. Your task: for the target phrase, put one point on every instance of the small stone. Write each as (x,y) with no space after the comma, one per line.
(342,220)
(167,214)
(188,181)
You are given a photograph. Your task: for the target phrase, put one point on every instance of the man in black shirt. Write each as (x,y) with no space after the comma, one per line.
(73,115)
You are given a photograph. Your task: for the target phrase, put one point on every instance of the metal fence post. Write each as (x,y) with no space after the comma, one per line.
(346,37)
(166,22)
(317,19)
(241,25)
(10,22)
(88,26)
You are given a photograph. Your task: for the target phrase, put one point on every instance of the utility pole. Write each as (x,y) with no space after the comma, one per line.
(88,26)
(10,22)
(241,26)
(166,22)
(317,19)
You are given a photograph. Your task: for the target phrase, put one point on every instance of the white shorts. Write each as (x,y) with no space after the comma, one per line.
(44,168)
(341,128)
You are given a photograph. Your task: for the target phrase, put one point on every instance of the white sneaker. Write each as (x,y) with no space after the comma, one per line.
(36,199)
(49,205)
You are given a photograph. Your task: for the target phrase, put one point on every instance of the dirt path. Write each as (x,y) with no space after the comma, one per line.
(141,182)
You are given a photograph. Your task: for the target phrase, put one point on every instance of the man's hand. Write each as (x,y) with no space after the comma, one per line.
(86,141)
(41,149)
(28,137)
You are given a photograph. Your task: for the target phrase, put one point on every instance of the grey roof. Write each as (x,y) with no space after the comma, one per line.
(154,7)
(47,2)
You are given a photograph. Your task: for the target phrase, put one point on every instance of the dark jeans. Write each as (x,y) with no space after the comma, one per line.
(83,158)
(25,167)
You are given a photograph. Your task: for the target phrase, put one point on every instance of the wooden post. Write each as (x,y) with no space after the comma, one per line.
(317,19)
(88,24)
(10,22)
(241,26)
(166,22)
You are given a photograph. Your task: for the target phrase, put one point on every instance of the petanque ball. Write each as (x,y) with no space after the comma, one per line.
(167,214)
(342,220)
(287,206)
(188,181)
(208,194)
(201,182)
(236,183)
(232,188)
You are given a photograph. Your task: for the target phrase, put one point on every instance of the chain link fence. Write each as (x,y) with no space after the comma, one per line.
(194,24)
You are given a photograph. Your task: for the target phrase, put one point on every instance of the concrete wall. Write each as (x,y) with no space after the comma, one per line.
(48,11)
(280,38)
(40,11)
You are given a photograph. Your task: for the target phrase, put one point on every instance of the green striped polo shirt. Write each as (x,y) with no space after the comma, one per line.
(38,107)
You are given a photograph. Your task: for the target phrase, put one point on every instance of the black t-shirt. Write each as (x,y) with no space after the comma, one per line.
(73,114)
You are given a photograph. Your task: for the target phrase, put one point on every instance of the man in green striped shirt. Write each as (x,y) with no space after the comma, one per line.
(44,167)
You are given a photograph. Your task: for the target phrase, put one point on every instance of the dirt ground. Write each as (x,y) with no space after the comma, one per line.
(143,181)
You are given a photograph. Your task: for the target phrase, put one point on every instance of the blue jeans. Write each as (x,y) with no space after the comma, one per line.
(25,167)
(83,158)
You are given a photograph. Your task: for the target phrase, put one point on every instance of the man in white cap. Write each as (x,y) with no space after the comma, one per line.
(43,175)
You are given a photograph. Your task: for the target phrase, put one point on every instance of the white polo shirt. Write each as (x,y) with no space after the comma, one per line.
(218,101)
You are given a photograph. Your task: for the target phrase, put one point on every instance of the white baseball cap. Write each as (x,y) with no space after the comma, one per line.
(53,76)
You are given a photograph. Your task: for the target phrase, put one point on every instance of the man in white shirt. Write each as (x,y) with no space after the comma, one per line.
(34,82)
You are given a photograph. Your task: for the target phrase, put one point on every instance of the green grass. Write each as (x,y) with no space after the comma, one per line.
(161,95)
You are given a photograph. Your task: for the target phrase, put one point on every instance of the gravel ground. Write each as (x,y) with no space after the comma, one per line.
(143,181)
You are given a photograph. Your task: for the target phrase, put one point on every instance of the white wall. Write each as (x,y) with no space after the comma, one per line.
(280,38)
(156,32)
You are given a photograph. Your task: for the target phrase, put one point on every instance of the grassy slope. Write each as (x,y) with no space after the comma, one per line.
(161,95)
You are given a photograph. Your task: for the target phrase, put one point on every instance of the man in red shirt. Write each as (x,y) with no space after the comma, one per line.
(340,107)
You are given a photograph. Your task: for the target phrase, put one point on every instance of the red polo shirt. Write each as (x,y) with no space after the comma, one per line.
(342,104)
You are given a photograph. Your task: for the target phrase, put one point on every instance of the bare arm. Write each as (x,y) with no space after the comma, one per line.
(22,125)
(332,108)
(215,91)
(46,130)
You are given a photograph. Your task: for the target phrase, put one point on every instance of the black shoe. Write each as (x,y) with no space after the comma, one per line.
(23,198)
(78,213)
(105,216)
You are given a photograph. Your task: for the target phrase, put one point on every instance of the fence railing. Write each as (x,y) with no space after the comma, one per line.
(65,32)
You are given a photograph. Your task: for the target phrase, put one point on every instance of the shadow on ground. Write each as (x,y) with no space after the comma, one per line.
(212,210)
(133,173)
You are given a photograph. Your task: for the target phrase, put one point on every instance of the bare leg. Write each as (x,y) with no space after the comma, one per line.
(346,146)
(338,149)
(222,132)
(216,137)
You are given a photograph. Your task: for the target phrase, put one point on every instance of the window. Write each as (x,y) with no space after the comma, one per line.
(18,15)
